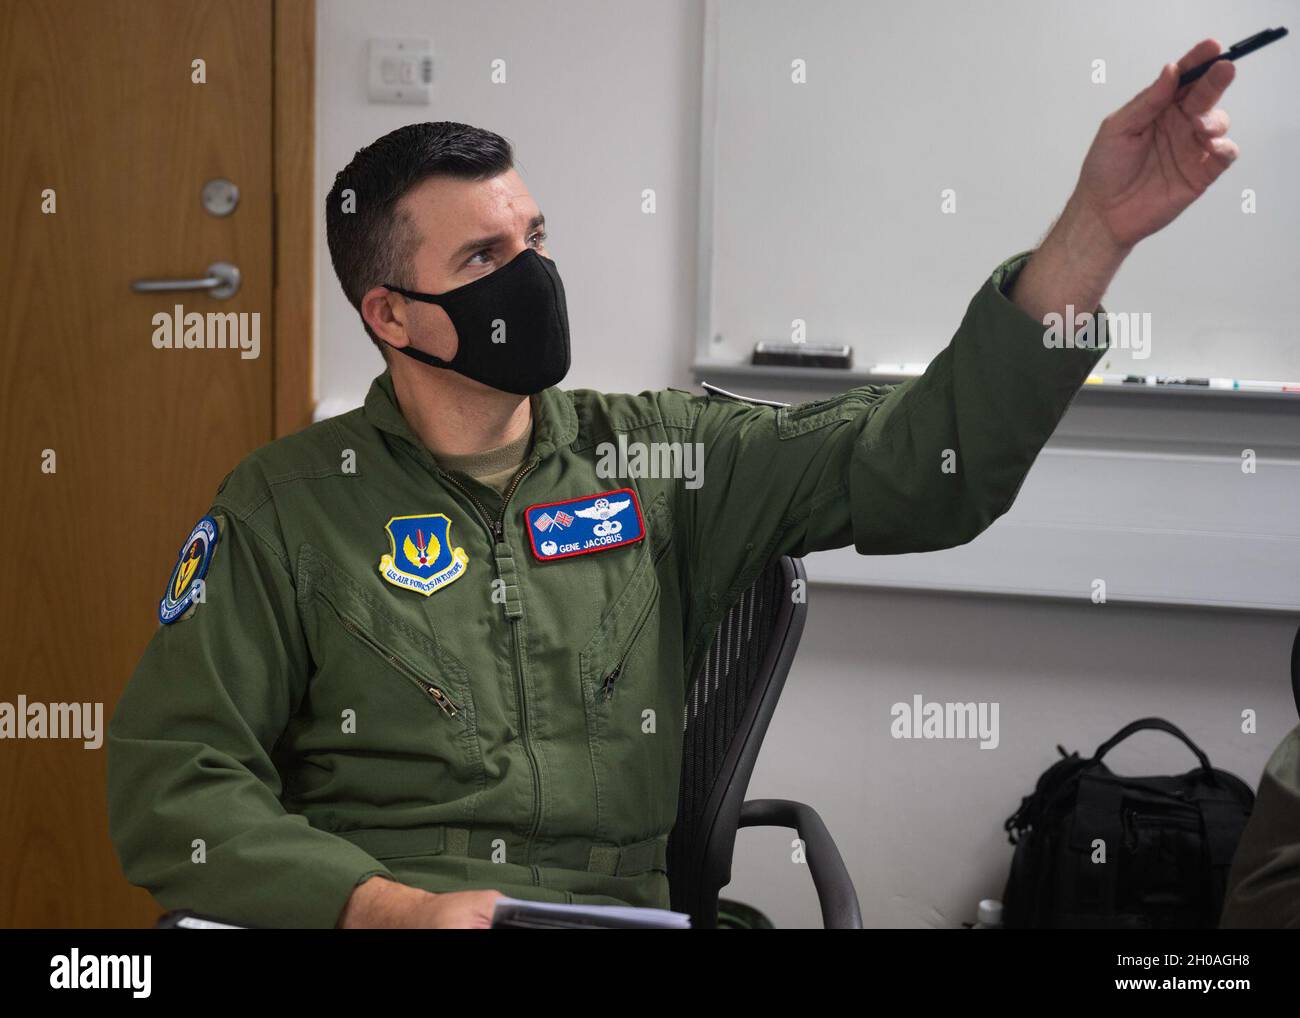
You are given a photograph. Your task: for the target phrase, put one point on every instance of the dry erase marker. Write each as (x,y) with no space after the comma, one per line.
(1233,383)
(1223,383)
(1235,52)
(1143,380)
(1257,385)
(1167,380)
(1240,385)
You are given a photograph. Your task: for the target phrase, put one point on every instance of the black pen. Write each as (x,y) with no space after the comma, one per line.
(1235,52)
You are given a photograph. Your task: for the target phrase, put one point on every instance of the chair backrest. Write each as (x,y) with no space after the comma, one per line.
(1295,671)
(731,701)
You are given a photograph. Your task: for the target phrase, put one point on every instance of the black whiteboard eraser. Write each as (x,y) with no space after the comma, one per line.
(803,355)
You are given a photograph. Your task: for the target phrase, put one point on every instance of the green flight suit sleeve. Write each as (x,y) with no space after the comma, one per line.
(1264,879)
(918,466)
(190,755)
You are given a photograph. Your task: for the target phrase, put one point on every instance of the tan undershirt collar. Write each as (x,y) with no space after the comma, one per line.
(493,467)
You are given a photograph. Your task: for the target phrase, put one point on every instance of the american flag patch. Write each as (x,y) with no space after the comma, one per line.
(545,521)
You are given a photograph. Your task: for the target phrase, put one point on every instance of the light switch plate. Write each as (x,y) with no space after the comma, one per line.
(401,71)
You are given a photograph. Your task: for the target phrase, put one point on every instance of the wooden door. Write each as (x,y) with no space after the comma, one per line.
(111,447)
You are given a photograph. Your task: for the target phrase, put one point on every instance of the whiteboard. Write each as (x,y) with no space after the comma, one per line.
(823,201)
(1165,497)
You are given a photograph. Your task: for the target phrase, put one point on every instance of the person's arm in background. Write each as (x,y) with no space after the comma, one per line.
(1263,888)
(931,462)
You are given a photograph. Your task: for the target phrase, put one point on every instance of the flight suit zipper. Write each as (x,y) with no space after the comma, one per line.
(497,532)
(436,693)
(607,684)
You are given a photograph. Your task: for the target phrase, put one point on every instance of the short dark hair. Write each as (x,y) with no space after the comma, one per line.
(375,243)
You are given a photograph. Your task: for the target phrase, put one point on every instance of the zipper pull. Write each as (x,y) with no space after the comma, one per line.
(442,700)
(508,574)
(607,687)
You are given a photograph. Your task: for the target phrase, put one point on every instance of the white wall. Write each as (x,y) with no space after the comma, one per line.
(603,101)
(920,822)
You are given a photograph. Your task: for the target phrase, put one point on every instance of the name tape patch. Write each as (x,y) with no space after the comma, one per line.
(583,526)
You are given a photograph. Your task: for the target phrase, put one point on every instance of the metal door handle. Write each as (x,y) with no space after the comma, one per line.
(222,281)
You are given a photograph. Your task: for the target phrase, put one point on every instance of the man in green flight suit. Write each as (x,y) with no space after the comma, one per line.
(431,650)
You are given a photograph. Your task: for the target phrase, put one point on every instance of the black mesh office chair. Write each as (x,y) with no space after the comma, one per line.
(1295,671)
(731,702)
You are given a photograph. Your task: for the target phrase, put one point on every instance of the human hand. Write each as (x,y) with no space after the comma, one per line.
(1155,156)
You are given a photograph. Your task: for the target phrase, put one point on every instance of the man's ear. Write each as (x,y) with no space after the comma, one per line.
(385,312)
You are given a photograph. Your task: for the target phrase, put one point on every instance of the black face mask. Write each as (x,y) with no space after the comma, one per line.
(522,303)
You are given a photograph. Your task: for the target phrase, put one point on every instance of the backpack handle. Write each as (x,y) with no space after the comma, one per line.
(1158,724)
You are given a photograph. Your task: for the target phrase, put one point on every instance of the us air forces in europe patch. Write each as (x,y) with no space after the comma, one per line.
(420,553)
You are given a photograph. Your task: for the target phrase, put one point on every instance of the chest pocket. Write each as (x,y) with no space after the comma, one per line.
(616,637)
(389,716)
(632,700)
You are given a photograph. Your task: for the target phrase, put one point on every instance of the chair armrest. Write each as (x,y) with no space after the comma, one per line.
(839,901)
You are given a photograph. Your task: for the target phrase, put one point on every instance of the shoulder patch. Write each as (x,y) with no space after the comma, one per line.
(191,566)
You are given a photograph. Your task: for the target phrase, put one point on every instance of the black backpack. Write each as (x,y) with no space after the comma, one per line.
(1168,844)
